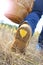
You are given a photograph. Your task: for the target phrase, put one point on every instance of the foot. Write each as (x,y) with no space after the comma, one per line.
(22,37)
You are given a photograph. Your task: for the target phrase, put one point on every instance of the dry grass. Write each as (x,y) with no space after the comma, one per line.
(33,56)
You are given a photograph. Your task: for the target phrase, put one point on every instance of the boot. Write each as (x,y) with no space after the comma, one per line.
(22,38)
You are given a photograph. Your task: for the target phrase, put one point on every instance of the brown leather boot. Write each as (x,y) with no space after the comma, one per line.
(22,38)
(17,10)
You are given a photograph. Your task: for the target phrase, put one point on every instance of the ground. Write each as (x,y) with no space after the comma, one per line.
(33,55)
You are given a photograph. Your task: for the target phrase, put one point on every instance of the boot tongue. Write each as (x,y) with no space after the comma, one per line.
(28,4)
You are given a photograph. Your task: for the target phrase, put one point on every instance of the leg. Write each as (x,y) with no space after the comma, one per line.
(40,39)
(25,31)
(32,19)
